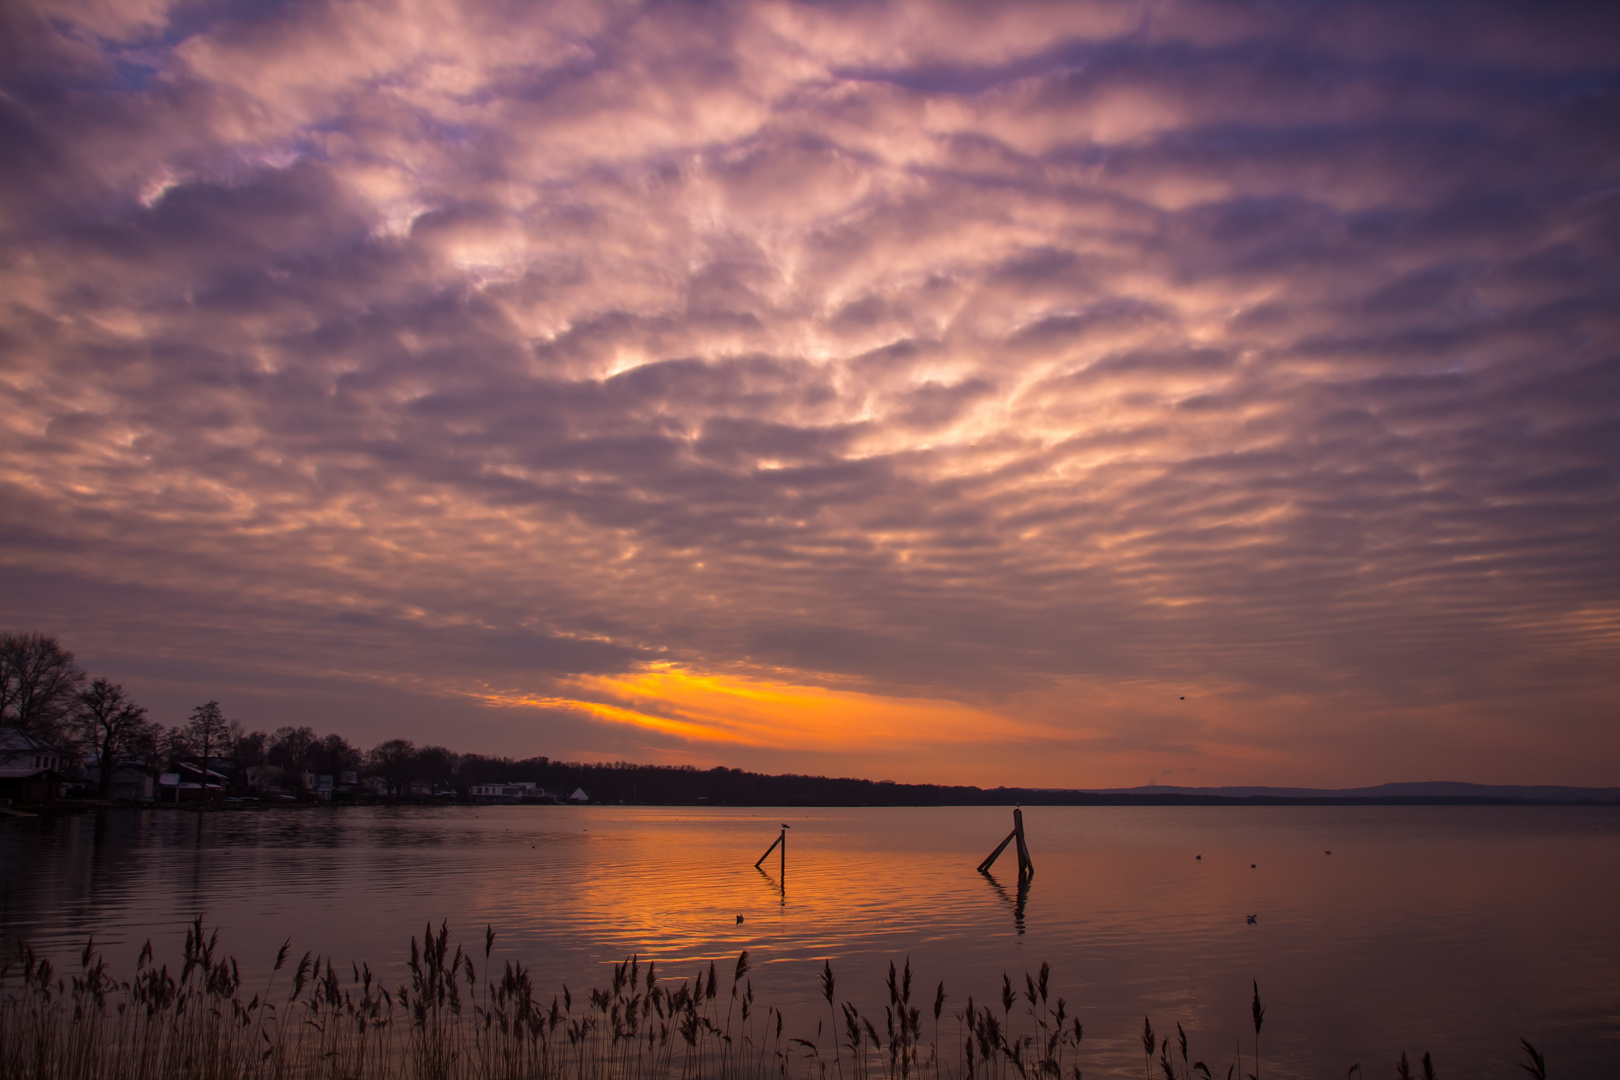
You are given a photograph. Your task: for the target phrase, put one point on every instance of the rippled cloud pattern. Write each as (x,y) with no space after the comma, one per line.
(1040,394)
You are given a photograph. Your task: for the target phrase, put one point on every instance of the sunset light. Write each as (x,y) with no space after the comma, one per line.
(809,539)
(1010,394)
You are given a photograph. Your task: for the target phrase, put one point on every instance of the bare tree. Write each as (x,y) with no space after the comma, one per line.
(39,685)
(111,723)
(210,736)
(395,762)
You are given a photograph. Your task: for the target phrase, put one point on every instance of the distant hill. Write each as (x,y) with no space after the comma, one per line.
(1423,791)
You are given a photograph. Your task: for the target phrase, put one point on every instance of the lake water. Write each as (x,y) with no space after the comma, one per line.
(1449,929)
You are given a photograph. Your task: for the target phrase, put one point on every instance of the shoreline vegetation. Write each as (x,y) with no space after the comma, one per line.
(462,1020)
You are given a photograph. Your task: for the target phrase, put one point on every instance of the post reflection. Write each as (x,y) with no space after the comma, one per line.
(778,886)
(1017,901)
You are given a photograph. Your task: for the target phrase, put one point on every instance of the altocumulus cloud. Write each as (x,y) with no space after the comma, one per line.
(926,390)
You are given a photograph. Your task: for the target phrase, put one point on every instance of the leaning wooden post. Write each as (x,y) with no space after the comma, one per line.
(984,867)
(780,840)
(1026,867)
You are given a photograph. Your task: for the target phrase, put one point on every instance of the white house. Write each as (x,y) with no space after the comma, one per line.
(515,791)
(579,796)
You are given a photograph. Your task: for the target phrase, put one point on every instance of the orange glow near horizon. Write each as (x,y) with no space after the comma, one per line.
(736,710)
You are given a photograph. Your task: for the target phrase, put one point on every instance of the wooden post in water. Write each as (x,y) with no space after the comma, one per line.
(780,841)
(984,867)
(1026,867)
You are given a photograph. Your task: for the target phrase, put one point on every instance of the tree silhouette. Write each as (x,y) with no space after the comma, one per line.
(335,756)
(395,762)
(209,736)
(39,685)
(436,765)
(290,749)
(113,724)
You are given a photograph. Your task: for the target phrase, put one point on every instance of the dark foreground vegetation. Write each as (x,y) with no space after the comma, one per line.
(462,1018)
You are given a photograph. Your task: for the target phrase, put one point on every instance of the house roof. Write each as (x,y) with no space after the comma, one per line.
(15,741)
(17,752)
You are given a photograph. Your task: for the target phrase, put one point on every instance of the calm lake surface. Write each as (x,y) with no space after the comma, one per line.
(1453,930)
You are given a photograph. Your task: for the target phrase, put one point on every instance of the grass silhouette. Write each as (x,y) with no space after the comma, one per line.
(458,1019)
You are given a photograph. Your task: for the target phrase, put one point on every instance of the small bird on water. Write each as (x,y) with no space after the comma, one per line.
(739,918)
(1253,919)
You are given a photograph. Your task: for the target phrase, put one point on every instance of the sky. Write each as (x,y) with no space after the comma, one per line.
(1067,395)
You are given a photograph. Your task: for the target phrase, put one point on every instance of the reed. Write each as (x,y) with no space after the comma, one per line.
(466,1017)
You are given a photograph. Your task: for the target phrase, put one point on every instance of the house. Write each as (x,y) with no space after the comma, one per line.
(506,793)
(131,780)
(191,783)
(31,770)
(579,796)
(319,785)
(265,779)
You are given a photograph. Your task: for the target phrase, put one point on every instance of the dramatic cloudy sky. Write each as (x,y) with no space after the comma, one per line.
(1004,393)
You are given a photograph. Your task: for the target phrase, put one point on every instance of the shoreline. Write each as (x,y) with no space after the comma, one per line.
(64,807)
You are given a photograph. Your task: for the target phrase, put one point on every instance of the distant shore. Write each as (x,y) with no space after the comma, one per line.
(1031,798)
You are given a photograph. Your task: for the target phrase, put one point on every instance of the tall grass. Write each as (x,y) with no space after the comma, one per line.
(462,1017)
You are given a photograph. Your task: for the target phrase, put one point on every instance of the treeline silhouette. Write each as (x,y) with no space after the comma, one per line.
(625,782)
